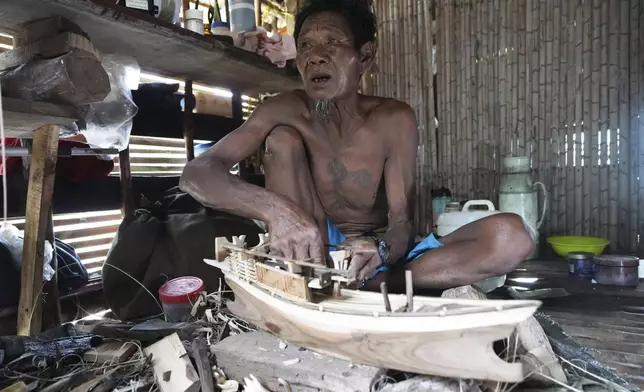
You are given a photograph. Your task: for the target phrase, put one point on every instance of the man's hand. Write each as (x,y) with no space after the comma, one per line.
(364,257)
(296,236)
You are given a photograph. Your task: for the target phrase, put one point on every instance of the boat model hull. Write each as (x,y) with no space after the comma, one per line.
(443,337)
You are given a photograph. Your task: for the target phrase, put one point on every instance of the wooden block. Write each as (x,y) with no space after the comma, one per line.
(38,29)
(49,47)
(290,284)
(42,172)
(111,352)
(259,353)
(172,368)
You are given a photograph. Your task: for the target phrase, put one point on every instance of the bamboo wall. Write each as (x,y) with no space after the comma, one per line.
(561,81)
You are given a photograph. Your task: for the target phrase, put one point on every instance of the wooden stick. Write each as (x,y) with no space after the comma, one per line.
(409,288)
(42,171)
(200,352)
(385,296)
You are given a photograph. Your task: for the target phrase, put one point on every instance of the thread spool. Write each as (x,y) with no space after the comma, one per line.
(194,21)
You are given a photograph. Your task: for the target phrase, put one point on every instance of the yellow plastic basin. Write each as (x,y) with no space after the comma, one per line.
(570,243)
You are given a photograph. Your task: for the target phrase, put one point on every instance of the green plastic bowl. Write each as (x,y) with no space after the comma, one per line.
(569,243)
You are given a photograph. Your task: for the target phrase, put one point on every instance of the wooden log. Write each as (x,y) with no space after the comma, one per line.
(42,173)
(259,353)
(75,78)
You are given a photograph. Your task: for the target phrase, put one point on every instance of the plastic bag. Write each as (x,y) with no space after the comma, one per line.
(108,123)
(13,239)
(74,78)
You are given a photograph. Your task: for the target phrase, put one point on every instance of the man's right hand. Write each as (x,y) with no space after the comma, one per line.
(296,236)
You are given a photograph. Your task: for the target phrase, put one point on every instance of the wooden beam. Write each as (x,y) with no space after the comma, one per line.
(42,173)
(22,117)
(127,198)
(189,121)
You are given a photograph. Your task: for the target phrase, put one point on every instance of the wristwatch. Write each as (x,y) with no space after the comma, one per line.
(383,249)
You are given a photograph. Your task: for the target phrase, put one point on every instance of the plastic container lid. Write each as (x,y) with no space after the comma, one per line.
(580,255)
(185,289)
(219,24)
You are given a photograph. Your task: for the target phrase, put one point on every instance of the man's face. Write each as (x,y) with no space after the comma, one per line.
(326,57)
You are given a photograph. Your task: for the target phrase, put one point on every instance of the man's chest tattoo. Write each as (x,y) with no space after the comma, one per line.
(340,174)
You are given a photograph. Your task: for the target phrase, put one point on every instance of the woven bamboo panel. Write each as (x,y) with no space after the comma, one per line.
(560,81)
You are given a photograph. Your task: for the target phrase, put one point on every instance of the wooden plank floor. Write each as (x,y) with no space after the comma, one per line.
(608,320)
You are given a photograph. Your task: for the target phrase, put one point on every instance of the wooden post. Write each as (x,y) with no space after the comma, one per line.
(52,314)
(127,198)
(42,173)
(189,121)
(385,296)
(409,289)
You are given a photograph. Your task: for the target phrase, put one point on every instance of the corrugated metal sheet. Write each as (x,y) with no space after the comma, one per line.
(561,81)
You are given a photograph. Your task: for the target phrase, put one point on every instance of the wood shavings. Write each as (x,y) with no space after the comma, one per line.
(285,384)
(283,345)
(291,362)
(252,384)
(229,386)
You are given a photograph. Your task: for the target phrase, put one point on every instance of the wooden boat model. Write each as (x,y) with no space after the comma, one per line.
(426,335)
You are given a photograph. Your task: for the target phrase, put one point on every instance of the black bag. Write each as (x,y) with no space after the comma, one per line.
(72,274)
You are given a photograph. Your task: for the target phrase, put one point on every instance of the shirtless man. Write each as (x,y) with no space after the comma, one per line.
(339,165)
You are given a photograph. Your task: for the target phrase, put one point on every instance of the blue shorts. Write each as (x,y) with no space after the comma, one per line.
(336,238)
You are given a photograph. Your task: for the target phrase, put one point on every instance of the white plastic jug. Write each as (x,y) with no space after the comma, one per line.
(452,221)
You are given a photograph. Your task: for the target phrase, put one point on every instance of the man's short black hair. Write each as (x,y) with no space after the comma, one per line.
(361,20)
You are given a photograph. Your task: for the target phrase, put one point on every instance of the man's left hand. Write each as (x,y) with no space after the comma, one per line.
(364,257)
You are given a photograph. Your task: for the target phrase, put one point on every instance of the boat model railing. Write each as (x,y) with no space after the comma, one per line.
(441,311)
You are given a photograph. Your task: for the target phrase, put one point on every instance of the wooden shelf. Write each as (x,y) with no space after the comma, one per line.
(21,118)
(158,46)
